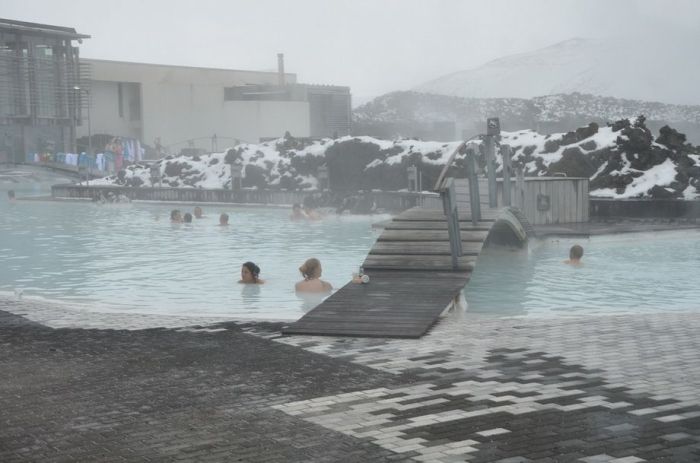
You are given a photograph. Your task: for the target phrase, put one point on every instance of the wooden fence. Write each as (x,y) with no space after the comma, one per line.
(543,200)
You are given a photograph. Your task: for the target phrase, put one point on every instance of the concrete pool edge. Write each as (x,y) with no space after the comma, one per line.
(620,226)
(63,314)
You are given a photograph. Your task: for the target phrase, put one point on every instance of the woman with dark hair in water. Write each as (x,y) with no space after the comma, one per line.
(575,255)
(250,273)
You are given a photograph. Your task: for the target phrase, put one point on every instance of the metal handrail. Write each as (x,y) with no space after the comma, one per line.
(439,185)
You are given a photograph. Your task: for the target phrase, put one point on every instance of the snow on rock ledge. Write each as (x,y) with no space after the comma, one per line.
(622,160)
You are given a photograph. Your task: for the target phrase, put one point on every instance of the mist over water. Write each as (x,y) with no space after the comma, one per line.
(626,273)
(130,258)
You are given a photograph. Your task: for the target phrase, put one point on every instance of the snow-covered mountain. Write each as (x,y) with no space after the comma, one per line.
(621,68)
(447,117)
(622,160)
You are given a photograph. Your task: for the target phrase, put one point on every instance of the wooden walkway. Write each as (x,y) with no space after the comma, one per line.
(395,303)
(412,280)
(424,257)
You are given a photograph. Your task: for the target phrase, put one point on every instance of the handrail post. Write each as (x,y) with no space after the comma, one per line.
(506,153)
(520,188)
(474,199)
(490,144)
(449,204)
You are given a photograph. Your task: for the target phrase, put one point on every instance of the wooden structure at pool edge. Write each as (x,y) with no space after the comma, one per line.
(417,267)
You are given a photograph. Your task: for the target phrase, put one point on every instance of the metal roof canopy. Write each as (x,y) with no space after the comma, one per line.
(9,25)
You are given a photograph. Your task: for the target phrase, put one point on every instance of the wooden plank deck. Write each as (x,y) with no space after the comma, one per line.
(412,279)
(440,248)
(487,215)
(430,235)
(395,303)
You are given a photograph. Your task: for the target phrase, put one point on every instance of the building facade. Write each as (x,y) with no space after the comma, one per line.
(329,106)
(41,84)
(53,101)
(204,109)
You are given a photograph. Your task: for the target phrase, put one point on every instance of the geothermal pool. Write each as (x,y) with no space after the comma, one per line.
(625,273)
(130,258)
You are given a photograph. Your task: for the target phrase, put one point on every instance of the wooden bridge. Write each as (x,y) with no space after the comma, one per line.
(420,262)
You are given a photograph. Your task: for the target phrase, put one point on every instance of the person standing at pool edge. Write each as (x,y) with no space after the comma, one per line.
(575,255)
(311,271)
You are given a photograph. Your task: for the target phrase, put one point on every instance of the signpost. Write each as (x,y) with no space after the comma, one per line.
(506,154)
(493,131)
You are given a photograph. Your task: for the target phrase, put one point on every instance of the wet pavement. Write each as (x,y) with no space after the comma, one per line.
(84,386)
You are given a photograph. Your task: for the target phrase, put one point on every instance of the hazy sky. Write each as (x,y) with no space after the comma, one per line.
(374,46)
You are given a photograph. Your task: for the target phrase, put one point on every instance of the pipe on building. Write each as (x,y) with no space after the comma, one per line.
(280,68)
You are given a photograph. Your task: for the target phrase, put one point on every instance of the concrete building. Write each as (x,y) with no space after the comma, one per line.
(328,106)
(49,96)
(208,109)
(40,82)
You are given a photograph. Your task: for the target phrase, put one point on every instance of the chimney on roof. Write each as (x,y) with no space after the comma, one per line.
(280,69)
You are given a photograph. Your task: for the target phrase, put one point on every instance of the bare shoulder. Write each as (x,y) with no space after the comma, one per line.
(327,286)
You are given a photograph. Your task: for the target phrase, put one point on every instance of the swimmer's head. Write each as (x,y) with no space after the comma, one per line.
(249,272)
(311,269)
(576,252)
(188,217)
(223,219)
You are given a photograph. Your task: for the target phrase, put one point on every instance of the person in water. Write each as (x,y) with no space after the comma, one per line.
(311,271)
(11,195)
(311,213)
(175,216)
(187,218)
(575,255)
(250,274)
(198,212)
(297,213)
(223,220)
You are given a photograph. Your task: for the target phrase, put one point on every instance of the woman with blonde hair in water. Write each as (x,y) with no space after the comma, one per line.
(311,271)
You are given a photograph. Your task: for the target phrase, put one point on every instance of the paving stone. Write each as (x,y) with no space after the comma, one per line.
(615,388)
(168,395)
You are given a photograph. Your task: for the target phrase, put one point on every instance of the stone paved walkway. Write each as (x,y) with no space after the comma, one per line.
(586,389)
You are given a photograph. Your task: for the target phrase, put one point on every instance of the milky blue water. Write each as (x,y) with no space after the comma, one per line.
(130,258)
(625,273)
